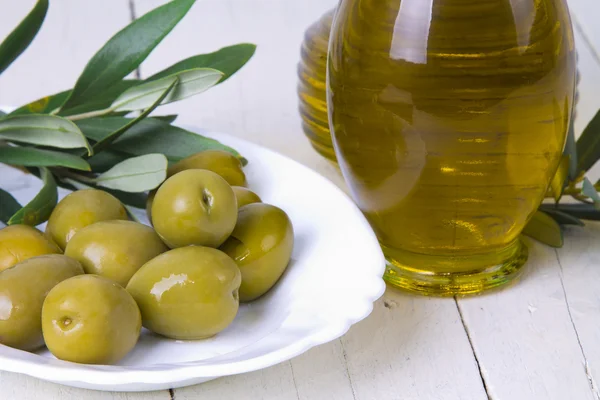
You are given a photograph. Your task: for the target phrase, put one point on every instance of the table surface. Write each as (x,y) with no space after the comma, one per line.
(538,339)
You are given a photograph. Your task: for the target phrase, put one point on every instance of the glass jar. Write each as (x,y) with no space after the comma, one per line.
(449,119)
(311,87)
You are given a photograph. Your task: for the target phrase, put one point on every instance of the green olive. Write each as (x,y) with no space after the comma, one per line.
(149,202)
(89,319)
(23,289)
(187,293)
(223,163)
(80,209)
(20,242)
(261,245)
(194,207)
(115,249)
(245,196)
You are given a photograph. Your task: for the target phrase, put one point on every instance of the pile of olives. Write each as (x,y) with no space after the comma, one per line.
(86,286)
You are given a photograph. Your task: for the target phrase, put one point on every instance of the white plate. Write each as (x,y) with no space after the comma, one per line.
(331,283)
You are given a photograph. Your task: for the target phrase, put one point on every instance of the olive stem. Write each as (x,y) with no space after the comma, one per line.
(65,173)
(90,114)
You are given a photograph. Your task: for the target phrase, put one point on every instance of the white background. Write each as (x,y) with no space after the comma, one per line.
(538,339)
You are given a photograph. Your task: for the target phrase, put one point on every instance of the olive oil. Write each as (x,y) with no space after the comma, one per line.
(449,119)
(311,87)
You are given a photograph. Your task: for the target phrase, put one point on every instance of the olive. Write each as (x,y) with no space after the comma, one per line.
(114,249)
(194,207)
(80,209)
(245,196)
(20,242)
(187,293)
(23,289)
(261,245)
(223,163)
(89,319)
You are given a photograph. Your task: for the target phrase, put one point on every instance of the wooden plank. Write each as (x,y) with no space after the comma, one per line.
(275,383)
(21,387)
(579,261)
(523,336)
(321,372)
(585,13)
(73,32)
(412,347)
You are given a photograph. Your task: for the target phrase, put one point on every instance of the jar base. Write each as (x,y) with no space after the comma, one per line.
(430,278)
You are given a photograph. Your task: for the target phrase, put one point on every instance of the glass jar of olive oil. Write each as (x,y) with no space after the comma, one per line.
(311,86)
(449,118)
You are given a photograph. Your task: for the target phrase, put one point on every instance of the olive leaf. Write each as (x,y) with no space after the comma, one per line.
(583,211)
(8,206)
(228,60)
(103,100)
(557,185)
(150,136)
(43,105)
(571,152)
(544,229)
(191,82)
(137,200)
(588,145)
(43,130)
(125,51)
(22,36)
(169,119)
(32,157)
(590,191)
(135,174)
(39,209)
(105,160)
(563,218)
(160,96)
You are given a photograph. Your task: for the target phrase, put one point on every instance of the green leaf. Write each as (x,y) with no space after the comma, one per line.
(557,185)
(126,50)
(32,157)
(191,82)
(43,130)
(22,36)
(8,206)
(137,200)
(582,211)
(169,119)
(44,105)
(104,99)
(571,152)
(563,218)
(39,209)
(150,136)
(544,229)
(47,104)
(227,60)
(590,191)
(588,145)
(136,174)
(106,159)
(105,142)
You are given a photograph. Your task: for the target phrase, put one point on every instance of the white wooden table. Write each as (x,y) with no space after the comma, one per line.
(539,339)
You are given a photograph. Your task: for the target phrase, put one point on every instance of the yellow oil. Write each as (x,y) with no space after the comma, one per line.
(311,86)
(449,119)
